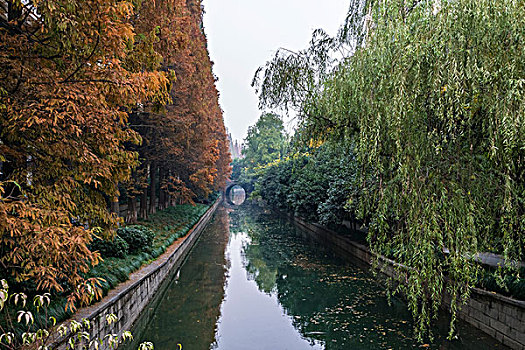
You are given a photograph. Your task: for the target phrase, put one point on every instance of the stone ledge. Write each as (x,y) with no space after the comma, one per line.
(138,290)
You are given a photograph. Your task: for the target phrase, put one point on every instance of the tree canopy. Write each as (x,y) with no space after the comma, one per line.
(95,96)
(265,143)
(433,97)
(265,140)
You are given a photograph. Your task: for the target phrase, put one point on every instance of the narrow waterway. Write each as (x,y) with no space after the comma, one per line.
(255,281)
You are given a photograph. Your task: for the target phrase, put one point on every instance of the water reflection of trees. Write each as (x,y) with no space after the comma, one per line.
(188,311)
(328,299)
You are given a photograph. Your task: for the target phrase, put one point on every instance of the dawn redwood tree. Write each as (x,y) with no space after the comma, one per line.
(198,158)
(161,27)
(184,154)
(65,93)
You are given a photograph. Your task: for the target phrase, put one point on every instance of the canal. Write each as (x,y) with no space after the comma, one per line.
(255,281)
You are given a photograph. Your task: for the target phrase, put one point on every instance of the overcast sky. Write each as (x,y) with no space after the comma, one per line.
(244,34)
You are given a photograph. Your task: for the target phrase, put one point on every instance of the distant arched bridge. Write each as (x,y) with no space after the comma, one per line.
(229,185)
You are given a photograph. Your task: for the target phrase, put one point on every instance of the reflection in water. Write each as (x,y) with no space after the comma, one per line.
(237,195)
(329,299)
(187,311)
(250,319)
(281,291)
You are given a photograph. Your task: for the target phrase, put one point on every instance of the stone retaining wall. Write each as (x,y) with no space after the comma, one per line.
(128,299)
(501,317)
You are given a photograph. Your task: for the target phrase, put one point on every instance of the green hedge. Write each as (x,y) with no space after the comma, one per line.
(139,238)
(114,247)
(153,237)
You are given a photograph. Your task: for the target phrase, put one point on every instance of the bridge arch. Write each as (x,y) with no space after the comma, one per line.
(227,191)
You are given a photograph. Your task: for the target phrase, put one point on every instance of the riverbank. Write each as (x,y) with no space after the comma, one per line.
(128,299)
(501,317)
(256,281)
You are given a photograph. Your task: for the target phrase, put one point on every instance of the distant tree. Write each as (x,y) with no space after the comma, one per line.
(316,183)
(237,165)
(265,142)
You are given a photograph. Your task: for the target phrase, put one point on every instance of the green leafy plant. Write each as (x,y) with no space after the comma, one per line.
(31,327)
(139,238)
(115,247)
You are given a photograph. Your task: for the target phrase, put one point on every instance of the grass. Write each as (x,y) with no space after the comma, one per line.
(168,225)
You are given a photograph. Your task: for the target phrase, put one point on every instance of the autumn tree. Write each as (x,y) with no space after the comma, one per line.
(184,155)
(99,98)
(185,147)
(66,90)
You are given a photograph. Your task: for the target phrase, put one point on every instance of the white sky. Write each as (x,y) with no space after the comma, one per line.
(244,34)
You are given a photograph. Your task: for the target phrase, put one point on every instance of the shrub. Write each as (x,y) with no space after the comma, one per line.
(31,327)
(512,285)
(138,237)
(117,247)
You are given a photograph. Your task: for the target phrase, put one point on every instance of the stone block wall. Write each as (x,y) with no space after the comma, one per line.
(501,317)
(128,299)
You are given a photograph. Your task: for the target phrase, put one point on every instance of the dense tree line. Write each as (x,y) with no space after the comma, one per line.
(99,99)
(315,184)
(266,141)
(431,95)
(313,180)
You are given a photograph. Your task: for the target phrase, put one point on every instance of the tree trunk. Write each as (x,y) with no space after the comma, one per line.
(162,194)
(132,210)
(153,188)
(114,206)
(143,213)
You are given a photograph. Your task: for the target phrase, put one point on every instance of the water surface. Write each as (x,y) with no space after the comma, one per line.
(255,281)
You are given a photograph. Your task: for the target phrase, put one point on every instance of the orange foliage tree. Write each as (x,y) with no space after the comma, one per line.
(97,96)
(185,151)
(65,96)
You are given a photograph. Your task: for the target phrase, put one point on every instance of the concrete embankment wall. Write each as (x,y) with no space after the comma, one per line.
(501,317)
(128,299)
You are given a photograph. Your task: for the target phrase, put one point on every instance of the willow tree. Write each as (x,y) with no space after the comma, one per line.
(434,98)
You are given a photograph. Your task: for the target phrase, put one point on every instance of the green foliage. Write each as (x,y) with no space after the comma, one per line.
(434,99)
(131,239)
(237,165)
(512,285)
(112,247)
(315,184)
(31,327)
(265,141)
(138,237)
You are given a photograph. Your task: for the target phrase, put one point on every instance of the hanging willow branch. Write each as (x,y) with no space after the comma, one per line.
(434,97)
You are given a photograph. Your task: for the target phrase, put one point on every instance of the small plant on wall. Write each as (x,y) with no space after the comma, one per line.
(26,324)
